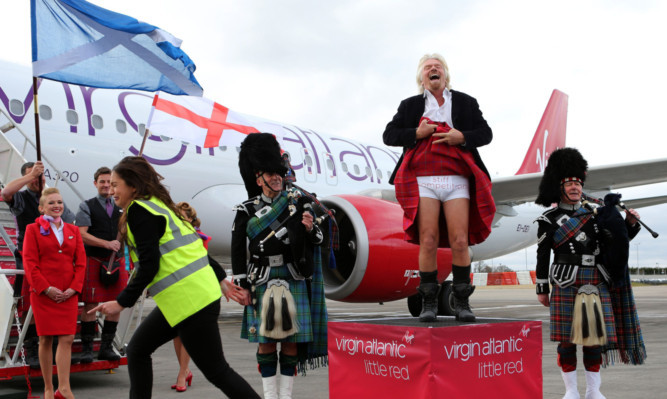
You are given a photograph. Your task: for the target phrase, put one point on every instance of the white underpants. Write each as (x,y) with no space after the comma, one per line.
(443,188)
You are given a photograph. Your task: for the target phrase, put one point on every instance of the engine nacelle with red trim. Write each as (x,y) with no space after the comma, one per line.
(374,263)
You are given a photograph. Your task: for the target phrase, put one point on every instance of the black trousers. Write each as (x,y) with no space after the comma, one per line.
(201,338)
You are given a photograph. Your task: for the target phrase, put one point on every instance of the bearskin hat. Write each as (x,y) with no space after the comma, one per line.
(260,152)
(563,163)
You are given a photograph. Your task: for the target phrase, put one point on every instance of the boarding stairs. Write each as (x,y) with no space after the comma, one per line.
(12,317)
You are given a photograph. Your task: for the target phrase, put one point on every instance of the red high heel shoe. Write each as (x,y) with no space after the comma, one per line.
(58,395)
(178,388)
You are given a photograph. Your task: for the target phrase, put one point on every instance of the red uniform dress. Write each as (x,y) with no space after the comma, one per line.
(49,264)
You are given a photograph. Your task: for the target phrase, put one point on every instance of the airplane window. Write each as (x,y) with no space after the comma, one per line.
(45,112)
(142,129)
(16,107)
(309,161)
(223,148)
(72,117)
(165,138)
(121,126)
(344,167)
(238,149)
(369,173)
(97,121)
(330,164)
(356,169)
(379,173)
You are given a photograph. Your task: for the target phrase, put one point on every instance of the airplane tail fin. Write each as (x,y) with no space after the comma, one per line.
(550,134)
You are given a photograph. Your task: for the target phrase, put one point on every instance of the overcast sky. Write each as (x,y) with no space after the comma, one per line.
(342,67)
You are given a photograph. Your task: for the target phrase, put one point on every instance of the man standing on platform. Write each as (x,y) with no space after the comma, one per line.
(24,205)
(592,302)
(441,181)
(97,220)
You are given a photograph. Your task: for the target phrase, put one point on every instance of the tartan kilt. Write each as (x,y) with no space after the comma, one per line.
(562,305)
(93,291)
(299,291)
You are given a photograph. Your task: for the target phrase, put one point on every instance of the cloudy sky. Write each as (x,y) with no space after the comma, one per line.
(342,67)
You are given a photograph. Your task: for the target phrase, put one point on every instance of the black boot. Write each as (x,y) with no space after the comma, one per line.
(31,345)
(429,293)
(106,348)
(462,310)
(87,338)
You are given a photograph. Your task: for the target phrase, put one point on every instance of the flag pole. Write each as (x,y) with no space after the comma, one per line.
(143,143)
(38,143)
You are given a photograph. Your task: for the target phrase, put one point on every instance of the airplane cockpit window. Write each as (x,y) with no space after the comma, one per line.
(45,112)
(16,107)
(97,121)
(121,126)
(72,117)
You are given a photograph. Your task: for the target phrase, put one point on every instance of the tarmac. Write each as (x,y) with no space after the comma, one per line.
(618,381)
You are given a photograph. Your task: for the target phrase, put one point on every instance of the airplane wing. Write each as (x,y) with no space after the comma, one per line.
(523,188)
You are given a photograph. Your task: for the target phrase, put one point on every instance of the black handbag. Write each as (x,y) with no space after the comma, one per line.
(109,271)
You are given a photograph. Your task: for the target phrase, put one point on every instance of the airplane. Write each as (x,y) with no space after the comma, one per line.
(83,128)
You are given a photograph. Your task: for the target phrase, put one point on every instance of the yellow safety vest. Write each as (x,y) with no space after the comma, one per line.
(185,282)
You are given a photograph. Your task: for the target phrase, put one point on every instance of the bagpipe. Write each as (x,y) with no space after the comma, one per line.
(614,236)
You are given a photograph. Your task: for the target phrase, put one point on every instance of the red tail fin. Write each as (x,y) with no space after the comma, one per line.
(550,135)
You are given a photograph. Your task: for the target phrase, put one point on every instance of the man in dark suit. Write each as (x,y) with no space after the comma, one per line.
(441,171)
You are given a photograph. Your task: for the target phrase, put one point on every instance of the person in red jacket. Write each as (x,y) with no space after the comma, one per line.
(55,263)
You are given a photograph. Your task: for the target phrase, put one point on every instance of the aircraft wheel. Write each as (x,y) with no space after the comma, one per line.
(415,304)
(446,300)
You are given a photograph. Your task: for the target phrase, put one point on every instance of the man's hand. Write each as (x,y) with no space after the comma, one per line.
(307,221)
(631,216)
(36,170)
(425,130)
(113,245)
(544,299)
(452,137)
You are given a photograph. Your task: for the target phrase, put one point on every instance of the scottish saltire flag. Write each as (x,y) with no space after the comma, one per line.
(78,42)
(203,122)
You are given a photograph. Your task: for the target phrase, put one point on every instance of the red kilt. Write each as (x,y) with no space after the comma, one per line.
(426,159)
(93,291)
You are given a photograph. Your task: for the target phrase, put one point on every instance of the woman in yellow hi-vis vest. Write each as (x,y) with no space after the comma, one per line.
(171,261)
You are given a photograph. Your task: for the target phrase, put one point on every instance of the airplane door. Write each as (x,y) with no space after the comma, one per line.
(309,169)
(330,169)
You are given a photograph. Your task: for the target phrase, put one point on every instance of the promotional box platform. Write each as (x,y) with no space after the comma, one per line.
(403,358)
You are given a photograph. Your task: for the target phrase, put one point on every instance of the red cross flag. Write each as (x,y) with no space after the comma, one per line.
(203,122)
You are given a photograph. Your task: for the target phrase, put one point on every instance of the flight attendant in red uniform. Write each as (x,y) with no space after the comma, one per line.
(55,264)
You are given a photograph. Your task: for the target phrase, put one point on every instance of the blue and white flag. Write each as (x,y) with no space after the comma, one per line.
(78,42)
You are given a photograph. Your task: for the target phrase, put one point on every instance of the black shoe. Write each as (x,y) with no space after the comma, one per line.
(106,348)
(429,293)
(462,310)
(31,346)
(86,355)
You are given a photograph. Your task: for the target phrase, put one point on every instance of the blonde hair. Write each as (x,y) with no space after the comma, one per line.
(189,213)
(46,193)
(422,61)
